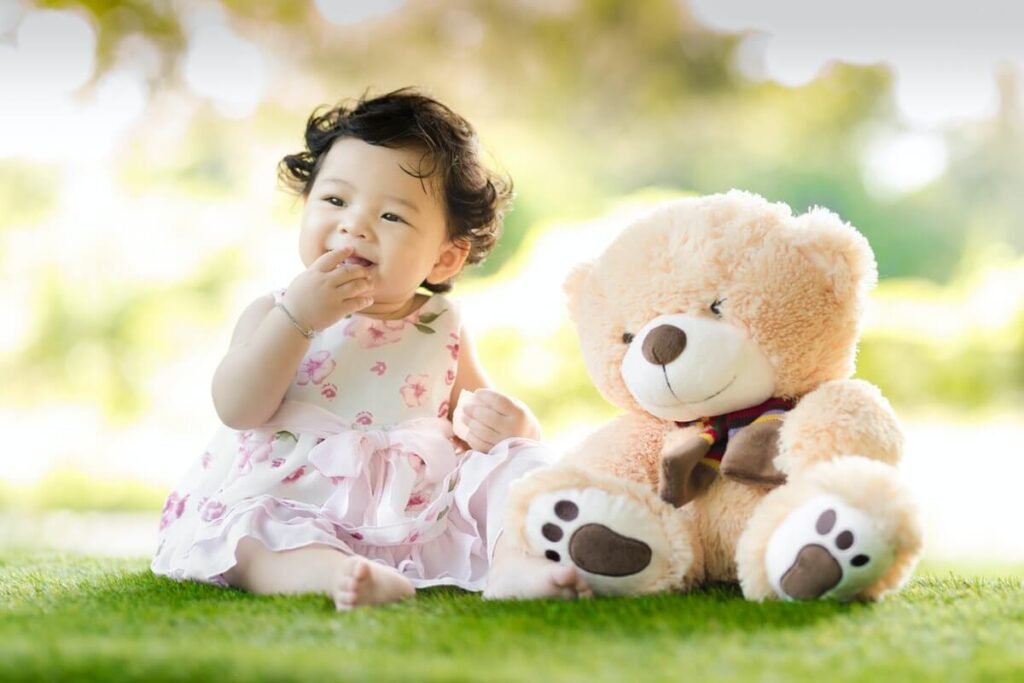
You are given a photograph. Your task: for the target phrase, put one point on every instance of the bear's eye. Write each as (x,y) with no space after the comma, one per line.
(627,337)
(716,307)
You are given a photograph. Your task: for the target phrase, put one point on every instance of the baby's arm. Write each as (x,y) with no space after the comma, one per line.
(266,347)
(491,416)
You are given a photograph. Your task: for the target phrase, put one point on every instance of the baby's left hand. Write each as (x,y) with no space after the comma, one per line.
(492,417)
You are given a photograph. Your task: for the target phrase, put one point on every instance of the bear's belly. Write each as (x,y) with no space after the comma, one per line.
(722,515)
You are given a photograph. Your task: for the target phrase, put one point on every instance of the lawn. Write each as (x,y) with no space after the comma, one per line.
(79,618)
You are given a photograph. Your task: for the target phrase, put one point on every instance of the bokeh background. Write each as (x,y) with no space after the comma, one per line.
(139,210)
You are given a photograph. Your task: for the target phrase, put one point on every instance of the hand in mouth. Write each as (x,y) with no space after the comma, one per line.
(357,261)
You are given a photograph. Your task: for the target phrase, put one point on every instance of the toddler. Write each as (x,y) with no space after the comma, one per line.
(337,471)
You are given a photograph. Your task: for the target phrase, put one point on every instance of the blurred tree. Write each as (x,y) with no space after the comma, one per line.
(581,101)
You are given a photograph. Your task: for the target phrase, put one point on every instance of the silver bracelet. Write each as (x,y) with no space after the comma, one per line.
(307,332)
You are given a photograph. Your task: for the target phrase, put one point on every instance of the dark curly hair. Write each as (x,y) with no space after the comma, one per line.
(475,198)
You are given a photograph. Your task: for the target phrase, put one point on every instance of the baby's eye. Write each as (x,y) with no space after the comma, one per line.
(392,218)
(336,201)
(627,337)
(716,307)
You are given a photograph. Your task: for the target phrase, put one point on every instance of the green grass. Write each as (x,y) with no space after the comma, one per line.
(80,618)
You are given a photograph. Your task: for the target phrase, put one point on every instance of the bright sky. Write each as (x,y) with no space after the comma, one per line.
(944,55)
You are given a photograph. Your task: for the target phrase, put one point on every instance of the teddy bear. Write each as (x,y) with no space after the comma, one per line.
(725,328)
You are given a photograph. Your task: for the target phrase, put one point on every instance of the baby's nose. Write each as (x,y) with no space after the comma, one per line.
(354,227)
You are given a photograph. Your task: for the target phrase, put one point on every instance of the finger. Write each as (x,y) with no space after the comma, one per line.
(486,416)
(495,400)
(482,430)
(343,274)
(353,288)
(359,303)
(478,444)
(332,259)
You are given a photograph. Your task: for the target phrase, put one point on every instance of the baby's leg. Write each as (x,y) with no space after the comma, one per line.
(514,575)
(349,580)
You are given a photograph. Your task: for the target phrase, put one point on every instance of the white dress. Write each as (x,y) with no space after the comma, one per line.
(360,457)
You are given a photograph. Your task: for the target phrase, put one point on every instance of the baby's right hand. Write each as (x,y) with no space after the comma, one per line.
(327,291)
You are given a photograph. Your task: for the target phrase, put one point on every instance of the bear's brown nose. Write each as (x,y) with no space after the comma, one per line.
(664,344)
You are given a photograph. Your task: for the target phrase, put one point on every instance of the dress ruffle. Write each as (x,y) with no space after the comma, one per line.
(405,496)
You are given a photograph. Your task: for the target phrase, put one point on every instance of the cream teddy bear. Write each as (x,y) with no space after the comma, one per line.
(725,328)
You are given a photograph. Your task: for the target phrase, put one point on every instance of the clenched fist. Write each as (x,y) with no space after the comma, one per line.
(492,417)
(328,291)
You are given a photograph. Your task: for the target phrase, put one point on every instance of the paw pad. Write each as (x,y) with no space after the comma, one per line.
(843,540)
(826,548)
(566,510)
(594,547)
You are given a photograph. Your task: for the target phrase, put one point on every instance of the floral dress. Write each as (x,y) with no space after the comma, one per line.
(359,457)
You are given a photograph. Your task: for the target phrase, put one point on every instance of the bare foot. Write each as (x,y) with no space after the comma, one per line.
(526,578)
(362,582)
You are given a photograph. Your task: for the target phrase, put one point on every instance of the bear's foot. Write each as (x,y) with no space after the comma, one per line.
(593,547)
(620,537)
(826,549)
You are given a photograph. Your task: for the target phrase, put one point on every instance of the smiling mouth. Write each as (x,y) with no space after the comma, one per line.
(687,403)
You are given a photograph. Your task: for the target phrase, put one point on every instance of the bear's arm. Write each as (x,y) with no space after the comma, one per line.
(841,417)
(629,446)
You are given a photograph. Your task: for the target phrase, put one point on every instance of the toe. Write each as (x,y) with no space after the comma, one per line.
(564,577)
(568,593)
(344,600)
(361,571)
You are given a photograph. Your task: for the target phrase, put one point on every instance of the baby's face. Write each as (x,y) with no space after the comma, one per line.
(395,222)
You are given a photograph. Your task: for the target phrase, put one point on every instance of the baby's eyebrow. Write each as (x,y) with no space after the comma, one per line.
(404,202)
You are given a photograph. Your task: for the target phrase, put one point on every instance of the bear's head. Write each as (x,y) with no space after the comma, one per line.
(714,304)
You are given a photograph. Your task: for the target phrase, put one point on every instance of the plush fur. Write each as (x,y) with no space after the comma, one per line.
(793,290)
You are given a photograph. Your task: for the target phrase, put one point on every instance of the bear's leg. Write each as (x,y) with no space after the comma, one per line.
(618,534)
(845,530)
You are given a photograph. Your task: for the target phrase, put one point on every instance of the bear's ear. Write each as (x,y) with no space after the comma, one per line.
(574,285)
(839,251)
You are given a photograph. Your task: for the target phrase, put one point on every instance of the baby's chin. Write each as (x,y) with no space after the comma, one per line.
(392,309)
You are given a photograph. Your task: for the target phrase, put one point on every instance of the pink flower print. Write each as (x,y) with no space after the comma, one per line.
(442,410)
(453,348)
(329,392)
(294,476)
(316,368)
(377,333)
(416,500)
(449,377)
(213,510)
(174,507)
(336,480)
(207,458)
(379,368)
(356,535)
(414,391)
(253,449)
(411,538)
(276,462)
(364,418)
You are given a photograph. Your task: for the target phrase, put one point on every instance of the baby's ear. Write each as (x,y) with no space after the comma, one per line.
(573,286)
